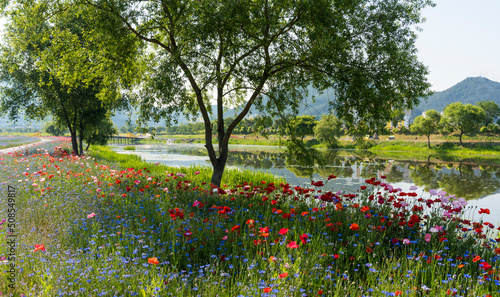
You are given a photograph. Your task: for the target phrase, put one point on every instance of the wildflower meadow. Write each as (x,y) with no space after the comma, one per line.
(85,226)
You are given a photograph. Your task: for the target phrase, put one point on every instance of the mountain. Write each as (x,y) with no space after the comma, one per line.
(470,90)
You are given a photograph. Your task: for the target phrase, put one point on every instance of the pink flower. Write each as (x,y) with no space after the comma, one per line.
(224,238)
(427,237)
(197,172)
(406,241)
(292,245)
(91,215)
(283,231)
(436,229)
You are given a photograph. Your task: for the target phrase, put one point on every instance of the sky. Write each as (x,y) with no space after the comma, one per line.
(460,39)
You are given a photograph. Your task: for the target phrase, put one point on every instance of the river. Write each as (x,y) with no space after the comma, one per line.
(476,180)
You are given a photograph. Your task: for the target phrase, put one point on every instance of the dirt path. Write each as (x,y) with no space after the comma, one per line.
(16,148)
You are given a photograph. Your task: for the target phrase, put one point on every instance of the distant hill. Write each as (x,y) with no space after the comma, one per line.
(470,90)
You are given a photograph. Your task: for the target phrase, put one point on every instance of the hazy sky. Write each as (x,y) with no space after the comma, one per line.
(460,39)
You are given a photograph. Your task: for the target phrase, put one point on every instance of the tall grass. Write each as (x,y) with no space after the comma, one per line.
(199,174)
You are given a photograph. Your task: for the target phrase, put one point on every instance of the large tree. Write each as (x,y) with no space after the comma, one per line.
(41,69)
(427,124)
(232,53)
(463,118)
(328,130)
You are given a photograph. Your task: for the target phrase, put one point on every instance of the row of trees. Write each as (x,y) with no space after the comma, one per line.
(458,117)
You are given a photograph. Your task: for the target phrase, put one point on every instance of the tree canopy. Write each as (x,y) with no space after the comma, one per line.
(463,118)
(491,110)
(426,125)
(46,67)
(328,129)
(235,53)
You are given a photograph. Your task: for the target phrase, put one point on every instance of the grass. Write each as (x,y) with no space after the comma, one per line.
(129,148)
(115,227)
(447,148)
(232,176)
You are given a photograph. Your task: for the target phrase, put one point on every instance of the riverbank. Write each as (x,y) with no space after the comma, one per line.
(443,146)
(95,228)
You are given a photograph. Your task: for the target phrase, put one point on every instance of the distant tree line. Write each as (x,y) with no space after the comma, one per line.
(483,118)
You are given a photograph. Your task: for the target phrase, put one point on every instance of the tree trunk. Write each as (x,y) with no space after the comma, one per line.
(81,143)
(460,137)
(74,142)
(429,141)
(219,167)
(87,148)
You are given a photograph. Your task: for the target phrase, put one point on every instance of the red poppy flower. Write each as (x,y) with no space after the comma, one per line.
(484,210)
(153,261)
(283,275)
(354,227)
(267,290)
(292,245)
(283,231)
(39,247)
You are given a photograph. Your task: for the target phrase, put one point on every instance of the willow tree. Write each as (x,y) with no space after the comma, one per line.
(238,52)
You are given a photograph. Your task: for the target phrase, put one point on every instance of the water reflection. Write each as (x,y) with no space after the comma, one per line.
(464,178)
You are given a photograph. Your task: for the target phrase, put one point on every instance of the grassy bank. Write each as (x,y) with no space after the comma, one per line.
(87,226)
(447,148)
(199,174)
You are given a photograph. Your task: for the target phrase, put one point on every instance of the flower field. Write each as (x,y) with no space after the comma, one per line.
(87,228)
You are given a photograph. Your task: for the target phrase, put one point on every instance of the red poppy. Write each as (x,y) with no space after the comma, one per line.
(292,245)
(153,261)
(283,231)
(39,247)
(283,275)
(354,227)
(484,210)
(267,290)
(303,238)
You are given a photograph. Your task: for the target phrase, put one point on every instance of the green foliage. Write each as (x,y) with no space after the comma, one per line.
(48,67)
(426,125)
(129,148)
(464,118)
(278,49)
(54,128)
(328,130)
(491,110)
(303,126)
